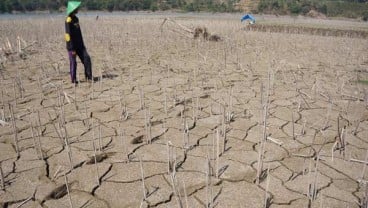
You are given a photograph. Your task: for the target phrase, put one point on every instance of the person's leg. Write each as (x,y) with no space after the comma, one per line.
(86,60)
(73,66)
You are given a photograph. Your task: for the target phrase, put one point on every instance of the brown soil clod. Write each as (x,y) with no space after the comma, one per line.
(58,192)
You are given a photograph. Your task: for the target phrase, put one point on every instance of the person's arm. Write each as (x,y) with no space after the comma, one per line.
(69,43)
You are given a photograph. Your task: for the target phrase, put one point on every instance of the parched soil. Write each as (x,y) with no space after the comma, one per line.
(173,121)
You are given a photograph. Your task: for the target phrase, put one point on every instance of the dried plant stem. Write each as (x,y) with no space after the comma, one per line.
(165,105)
(263,140)
(147,125)
(56,172)
(75,97)
(168,157)
(313,184)
(185,195)
(92,90)
(39,133)
(142,176)
(100,79)
(217,152)
(94,155)
(18,79)
(267,187)
(365,165)
(359,161)
(2,177)
(175,190)
(2,98)
(124,144)
(15,131)
(293,125)
(141,98)
(25,201)
(275,141)
(332,151)
(15,94)
(355,132)
(68,149)
(208,182)
(67,188)
(34,140)
(99,137)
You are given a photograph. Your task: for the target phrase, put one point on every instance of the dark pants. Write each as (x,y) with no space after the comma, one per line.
(85,59)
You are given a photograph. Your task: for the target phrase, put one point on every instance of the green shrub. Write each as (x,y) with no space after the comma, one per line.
(365,16)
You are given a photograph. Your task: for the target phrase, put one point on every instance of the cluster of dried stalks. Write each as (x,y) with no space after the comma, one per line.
(307,30)
(197,32)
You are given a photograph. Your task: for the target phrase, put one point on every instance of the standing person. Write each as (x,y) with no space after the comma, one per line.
(75,44)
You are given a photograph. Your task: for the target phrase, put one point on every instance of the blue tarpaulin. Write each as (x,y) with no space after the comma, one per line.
(248,17)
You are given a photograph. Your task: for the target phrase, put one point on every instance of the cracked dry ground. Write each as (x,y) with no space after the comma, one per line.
(185,115)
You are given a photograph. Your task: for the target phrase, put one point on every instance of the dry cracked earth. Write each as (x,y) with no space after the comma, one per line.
(172,121)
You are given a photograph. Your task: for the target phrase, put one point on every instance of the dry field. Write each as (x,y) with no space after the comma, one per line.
(259,119)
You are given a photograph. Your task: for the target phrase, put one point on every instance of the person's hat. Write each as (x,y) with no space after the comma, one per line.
(72,5)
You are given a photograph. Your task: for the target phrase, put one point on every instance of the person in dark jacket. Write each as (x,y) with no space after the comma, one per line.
(75,44)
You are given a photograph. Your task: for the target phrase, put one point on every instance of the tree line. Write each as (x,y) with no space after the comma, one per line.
(344,8)
(332,8)
(9,6)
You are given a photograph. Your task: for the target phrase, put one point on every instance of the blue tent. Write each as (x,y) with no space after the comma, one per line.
(248,17)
